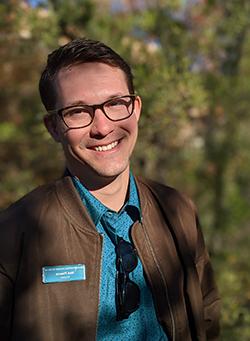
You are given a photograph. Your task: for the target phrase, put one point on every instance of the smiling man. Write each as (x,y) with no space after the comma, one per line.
(99,140)
(101,254)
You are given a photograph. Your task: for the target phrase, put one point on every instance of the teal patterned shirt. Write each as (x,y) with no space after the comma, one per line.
(141,324)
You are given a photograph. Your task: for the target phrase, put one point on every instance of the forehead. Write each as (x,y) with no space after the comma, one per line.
(91,71)
(88,81)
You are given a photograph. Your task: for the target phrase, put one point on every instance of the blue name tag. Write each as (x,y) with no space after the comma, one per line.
(63,273)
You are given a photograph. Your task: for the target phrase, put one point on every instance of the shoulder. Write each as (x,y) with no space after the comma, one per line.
(167,195)
(19,221)
(179,211)
(28,202)
(33,205)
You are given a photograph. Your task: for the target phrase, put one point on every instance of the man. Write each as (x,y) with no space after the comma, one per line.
(101,254)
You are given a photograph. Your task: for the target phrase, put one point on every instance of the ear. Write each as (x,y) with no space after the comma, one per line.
(51,123)
(138,107)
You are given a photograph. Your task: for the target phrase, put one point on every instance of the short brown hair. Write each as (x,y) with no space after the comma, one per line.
(78,51)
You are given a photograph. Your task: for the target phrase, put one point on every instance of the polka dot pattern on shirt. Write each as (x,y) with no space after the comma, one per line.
(142,324)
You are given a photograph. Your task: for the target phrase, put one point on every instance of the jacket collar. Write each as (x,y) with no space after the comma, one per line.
(71,203)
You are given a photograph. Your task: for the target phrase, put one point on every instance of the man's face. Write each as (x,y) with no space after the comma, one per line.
(102,149)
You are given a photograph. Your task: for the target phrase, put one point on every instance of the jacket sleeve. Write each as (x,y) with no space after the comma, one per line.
(9,255)
(6,304)
(211,300)
(181,214)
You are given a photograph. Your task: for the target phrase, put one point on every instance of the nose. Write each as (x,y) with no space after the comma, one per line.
(101,125)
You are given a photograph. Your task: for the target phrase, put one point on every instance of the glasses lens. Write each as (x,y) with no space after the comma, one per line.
(119,108)
(127,256)
(127,297)
(78,116)
(132,295)
(128,292)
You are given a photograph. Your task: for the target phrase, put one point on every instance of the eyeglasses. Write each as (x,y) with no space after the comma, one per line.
(80,116)
(127,291)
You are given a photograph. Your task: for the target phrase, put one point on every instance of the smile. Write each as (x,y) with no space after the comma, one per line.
(107,147)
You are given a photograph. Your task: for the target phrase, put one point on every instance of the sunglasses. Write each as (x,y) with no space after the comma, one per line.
(127,291)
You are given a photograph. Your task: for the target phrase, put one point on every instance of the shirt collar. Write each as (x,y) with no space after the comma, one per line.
(96,209)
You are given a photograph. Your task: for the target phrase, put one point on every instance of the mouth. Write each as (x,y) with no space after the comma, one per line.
(106,147)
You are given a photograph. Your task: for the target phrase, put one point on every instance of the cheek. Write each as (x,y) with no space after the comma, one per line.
(131,125)
(74,137)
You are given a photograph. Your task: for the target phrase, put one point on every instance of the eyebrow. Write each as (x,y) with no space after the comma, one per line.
(80,102)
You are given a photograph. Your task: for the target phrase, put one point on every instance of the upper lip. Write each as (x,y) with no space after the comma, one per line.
(102,144)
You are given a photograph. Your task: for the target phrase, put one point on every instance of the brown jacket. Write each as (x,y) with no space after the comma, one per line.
(50,226)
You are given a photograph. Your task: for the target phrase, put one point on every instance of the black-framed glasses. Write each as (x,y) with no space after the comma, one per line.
(127,291)
(80,116)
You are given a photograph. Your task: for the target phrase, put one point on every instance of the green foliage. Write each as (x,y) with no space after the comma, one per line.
(192,69)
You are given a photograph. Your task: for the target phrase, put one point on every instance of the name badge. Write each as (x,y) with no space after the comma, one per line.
(63,273)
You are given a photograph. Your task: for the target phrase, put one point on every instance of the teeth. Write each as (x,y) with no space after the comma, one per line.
(107,147)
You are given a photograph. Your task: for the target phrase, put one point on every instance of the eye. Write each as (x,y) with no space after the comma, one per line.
(75,111)
(115,102)
(118,102)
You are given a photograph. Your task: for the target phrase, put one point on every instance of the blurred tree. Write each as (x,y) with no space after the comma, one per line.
(221,30)
(192,67)
(31,32)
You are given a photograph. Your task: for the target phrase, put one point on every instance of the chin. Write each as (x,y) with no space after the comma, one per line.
(111,173)
(111,169)
(94,170)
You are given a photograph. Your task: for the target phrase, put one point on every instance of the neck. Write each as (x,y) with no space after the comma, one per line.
(113,195)
(111,192)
